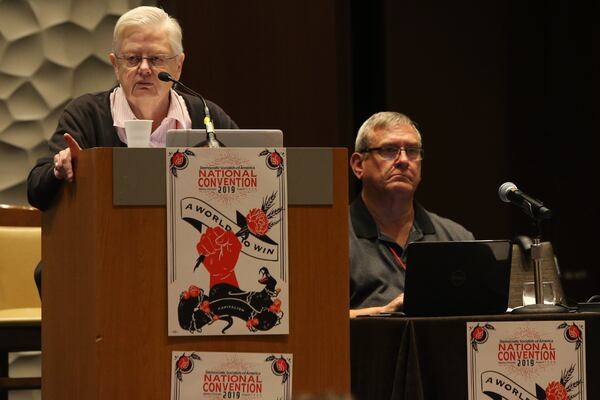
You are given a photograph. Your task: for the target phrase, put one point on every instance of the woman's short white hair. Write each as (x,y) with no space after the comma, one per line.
(380,120)
(144,16)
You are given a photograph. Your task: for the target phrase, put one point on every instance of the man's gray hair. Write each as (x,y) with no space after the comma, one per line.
(381,120)
(144,16)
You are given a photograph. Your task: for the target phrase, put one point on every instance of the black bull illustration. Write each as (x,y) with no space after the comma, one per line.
(260,310)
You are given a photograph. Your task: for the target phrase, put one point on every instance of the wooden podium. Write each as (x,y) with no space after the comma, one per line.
(104,325)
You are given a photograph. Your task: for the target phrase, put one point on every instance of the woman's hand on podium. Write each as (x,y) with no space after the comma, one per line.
(65,159)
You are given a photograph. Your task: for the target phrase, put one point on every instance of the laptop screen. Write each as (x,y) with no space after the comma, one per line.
(227,137)
(457,278)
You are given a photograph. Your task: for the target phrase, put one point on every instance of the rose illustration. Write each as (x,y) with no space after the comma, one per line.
(194,291)
(573,332)
(184,364)
(276,306)
(178,159)
(205,307)
(563,389)
(556,391)
(479,334)
(280,366)
(274,159)
(257,221)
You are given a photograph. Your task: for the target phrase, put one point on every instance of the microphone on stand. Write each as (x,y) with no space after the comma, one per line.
(210,129)
(509,193)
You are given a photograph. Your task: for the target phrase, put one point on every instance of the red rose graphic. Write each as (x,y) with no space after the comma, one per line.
(184,363)
(194,291)
(573,332)
(257,221)
(274,159)
(281,365)
(205,306)
(556,391)
(276,306)
(178,159)
(478,333)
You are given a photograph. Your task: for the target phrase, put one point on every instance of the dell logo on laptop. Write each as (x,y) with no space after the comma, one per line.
(458,277)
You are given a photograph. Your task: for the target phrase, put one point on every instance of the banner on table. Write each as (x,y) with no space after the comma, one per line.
(526,360)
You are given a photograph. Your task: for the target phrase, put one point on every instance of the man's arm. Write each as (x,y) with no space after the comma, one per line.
(82,118)
(64,159)
(392,306)
(44,179)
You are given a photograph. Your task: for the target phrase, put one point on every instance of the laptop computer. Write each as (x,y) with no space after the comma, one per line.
(227,137)
(457,278)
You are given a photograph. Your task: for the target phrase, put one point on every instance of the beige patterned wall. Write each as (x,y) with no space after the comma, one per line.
(50,52)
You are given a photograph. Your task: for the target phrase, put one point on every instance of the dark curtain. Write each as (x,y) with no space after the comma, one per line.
(501,90)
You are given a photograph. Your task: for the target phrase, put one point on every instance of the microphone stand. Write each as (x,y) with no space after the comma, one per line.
(211,139)
(538,282)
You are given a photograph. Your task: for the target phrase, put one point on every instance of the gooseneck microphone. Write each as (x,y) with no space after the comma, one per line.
(509,193)
(210,129)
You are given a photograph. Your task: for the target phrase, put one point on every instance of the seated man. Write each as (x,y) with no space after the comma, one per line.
(146,41)
(386,217)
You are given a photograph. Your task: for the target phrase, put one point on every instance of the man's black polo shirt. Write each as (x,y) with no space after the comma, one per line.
(376,276)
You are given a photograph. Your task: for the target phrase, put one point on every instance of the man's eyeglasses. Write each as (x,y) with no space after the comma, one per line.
(158,60)
(391,152)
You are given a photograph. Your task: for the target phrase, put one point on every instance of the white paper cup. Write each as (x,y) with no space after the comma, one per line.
(138,132)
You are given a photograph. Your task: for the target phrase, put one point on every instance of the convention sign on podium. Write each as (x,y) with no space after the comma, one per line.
(105,304)
(227,269)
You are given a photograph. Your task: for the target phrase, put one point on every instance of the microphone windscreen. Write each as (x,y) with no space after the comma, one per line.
(164,76)
(504,189)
